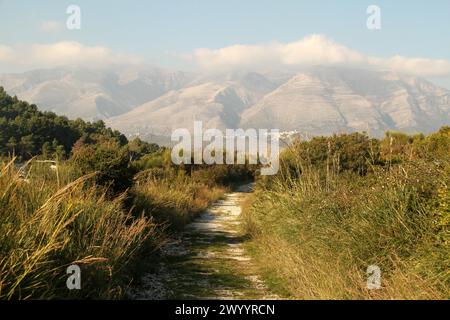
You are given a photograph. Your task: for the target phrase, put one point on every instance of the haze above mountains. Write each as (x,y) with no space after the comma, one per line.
(150,102)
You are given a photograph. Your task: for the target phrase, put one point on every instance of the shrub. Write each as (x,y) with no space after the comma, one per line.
(108,159)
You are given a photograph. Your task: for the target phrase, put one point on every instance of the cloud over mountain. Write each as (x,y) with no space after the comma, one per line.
(309,51)
(36,56)
(317,100)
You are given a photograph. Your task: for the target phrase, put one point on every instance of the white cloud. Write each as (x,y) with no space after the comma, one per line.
(311,50)
(51,26)
(417,66)
(25,57)
(6,53)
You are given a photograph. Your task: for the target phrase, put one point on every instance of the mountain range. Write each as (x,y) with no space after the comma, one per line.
(92,94)
(150,102)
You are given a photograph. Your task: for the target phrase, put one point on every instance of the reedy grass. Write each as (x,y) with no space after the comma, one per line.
(50,220)
(45,228)
(173,199)
(321,233)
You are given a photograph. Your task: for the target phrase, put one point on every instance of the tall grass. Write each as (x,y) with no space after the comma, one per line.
(44,228)
(172,197)
(50,220)
(321,229)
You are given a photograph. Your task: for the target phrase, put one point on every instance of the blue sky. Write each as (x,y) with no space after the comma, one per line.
(159,31)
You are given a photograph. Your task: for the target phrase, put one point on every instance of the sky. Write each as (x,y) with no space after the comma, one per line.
(213,35)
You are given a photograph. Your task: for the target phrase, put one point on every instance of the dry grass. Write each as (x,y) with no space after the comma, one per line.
(173,199)
(320,235)
(45,228)
(51,220)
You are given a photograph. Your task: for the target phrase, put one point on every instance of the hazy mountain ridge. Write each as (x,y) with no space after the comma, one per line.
(326,100)
(217,101)
(319,100)
(92,93)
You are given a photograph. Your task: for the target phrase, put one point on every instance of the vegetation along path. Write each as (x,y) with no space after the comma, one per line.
(208,261)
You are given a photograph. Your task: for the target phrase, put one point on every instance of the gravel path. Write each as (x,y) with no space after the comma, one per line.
(208,261)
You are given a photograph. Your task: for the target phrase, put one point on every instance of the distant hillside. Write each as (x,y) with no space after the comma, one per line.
(92,94)
(321,100)
(217,101)
(315,102)
(329,100)
(25,131)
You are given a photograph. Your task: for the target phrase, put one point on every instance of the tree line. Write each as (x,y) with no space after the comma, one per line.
(26,132)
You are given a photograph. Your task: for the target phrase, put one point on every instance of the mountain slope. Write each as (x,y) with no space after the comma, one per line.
(92,93)
(327,100)
(216,101)
(152,102)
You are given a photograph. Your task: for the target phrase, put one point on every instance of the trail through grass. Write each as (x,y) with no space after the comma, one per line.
(208,260)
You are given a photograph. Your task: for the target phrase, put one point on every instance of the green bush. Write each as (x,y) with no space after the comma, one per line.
(108,159)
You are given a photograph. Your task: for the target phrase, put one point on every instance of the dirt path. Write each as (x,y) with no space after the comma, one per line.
(208,261)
